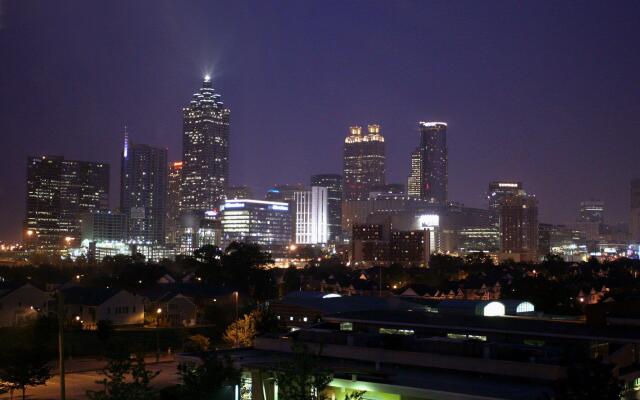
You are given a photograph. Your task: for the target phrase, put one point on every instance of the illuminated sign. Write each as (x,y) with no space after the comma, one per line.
(508,185)
(279,207)
(429,220)
(234,205)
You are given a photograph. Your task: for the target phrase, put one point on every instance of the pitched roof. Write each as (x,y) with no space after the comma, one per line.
(88,296)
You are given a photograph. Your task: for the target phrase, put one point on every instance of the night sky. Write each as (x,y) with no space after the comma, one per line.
(543,92)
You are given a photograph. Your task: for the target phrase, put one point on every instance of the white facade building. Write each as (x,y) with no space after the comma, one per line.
(312,216)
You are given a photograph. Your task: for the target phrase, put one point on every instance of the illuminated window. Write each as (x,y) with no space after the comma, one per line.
(525,306)
(493,309)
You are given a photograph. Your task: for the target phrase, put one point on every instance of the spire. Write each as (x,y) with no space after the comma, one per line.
(126,142)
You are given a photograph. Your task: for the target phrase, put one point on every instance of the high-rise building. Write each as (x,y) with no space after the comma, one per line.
(143,192)
(364,162)
(591,211)
(312,216)
(634,226)
(174,196)
(239,192)
(205,149)
(414,182)
(103,226)
(58,192)
(519,225)
(286,193)
(497,192)
(266,223)
(333,183)
(434,179)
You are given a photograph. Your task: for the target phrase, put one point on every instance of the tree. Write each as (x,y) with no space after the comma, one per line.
(197,343)
(241,332)
(24,365)
(205,380)
(117,386)
(303,377)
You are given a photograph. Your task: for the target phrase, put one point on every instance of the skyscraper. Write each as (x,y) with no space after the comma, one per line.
(205,148)
(519,225)
(312,216)
(497,192)
(414,182)
(174,197)
(364,162)
(58,192)
(635,210)
(333,183)
(434,179)
(239,192)
(591,211)
(143,192)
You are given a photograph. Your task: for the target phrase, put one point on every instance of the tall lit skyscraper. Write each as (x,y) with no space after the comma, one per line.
(205,149)
(143,192)
(414,182)
(519,225)
(174,196)
(58,192)
(312,216)
(364,162)
(333,183)
(434,179)
(497,192)
(635,210)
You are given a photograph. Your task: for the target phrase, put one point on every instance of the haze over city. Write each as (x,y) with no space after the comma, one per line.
(543,93)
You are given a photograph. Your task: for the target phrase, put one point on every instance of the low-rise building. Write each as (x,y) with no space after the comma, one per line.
(21,303)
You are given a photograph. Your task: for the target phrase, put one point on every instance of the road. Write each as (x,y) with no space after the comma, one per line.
(86,375)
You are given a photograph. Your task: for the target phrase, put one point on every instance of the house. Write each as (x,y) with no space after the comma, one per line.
(20,303)
(88,305)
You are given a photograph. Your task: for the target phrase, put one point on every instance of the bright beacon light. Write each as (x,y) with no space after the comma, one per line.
(207,78)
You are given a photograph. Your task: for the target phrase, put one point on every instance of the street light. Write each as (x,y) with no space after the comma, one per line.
(236,298)
(158,312)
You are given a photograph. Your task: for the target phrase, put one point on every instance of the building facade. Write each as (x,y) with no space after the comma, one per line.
(58,192)
(333,183)
(174,196)
(143,192)
(434,179)
(239,192)
(312,216)
(266,223)
(205,150)
(104,226)
(414,182)
(496,193)
(519,226)
(364,162)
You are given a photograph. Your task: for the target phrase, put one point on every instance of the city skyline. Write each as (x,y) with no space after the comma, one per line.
(575,166)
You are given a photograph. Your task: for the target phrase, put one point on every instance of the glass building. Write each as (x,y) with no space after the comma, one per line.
(266,223)
(205,147)
(364,162)
(58,192)
(333,183)
(434,179)
(143,192)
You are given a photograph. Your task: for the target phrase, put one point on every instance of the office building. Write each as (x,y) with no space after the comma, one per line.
(591,211)
(387,190)
(312,216)
(205,149)
(266,223)
(364,162)
(479,239)
(174,196)
(497,192)
(410,247)
(286,193)
(434,179)
(634,225)
(519,226)
(239,192)
(414,181)
(58,192)
(104,226)
(333,183)
(143,192)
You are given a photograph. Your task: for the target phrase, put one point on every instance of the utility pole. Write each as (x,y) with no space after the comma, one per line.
(61,343)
